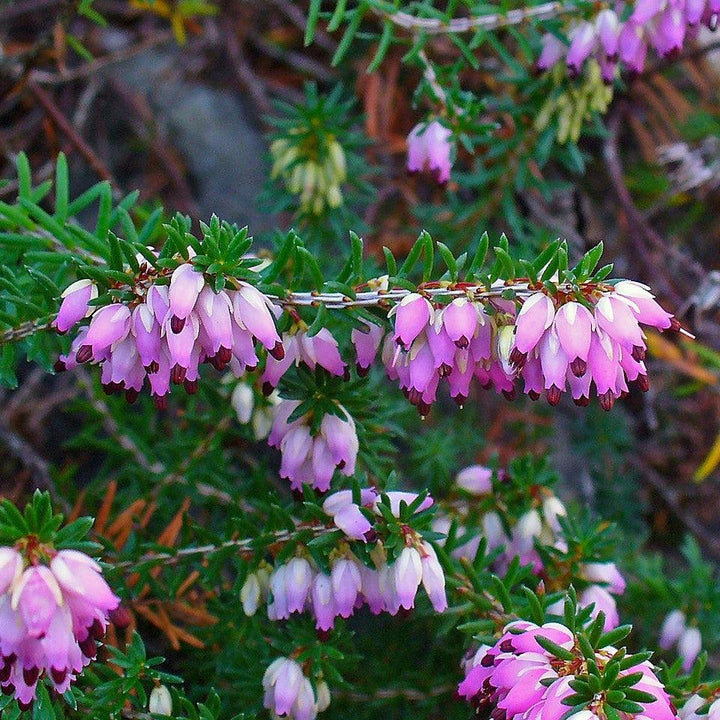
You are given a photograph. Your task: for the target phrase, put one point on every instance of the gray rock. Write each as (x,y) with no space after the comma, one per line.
(213,131)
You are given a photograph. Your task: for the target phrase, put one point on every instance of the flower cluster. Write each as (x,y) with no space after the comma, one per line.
(569,339)
(53,608)
(315,176)
(300,586)
(662,24)
(687,638)
(563,342)
(458,342)
(569,105)
(518,678)
(289,692)
(316,350)
(510,538)
(167,331)
(313,459)
(429,145)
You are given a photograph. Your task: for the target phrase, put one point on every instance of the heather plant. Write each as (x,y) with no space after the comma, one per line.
(296,501)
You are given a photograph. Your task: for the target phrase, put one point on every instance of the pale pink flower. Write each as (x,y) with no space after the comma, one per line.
(50,619)
(75,305)
(313,459)
(672,628)
(169,333)
(476,479)
(429,145)
(366,345)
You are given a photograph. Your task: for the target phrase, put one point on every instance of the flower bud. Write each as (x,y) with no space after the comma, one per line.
(323,696)
(250,594)
(243,402)
(160,701)
(672,628)
(689,646)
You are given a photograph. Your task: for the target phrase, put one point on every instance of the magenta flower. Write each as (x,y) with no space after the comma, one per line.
(606,573)
(287,691)
(576,346)
(50,619)
(553,50)
(518,678)
(689,647)
(323,602)
(602,601)
(429,146)
(407,571)
(460,320)
(412,314)
(346,585)
(298,579)
(676,631)
(672,628)
(433,577)
(460,343)
(185,287)
(366,345)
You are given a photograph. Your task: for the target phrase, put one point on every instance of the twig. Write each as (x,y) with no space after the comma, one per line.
(554,221)
(243,544)
(640,231)
(437,26)
(24,452)
(672,499)
(243,72)
(19,9)
(67,128)
(390,693)
(664,63)
(297,17)
(92,68)
(111,426)
(24,330)
(431,78)
(296,60)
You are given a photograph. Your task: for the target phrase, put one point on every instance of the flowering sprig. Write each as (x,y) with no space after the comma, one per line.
(498,519)
(315,153)
(380,557)
(563,669)
(173,312)
(54,603)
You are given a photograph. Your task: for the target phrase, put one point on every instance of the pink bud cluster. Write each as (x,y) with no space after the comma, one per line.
(429,145)
(320,350)
(663,24)
(676,632)
(300,586)
(289,692)
(518,679)
(314,459)
(561,343)
(517,537)
(168,331)
(50,618)
(459,342)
